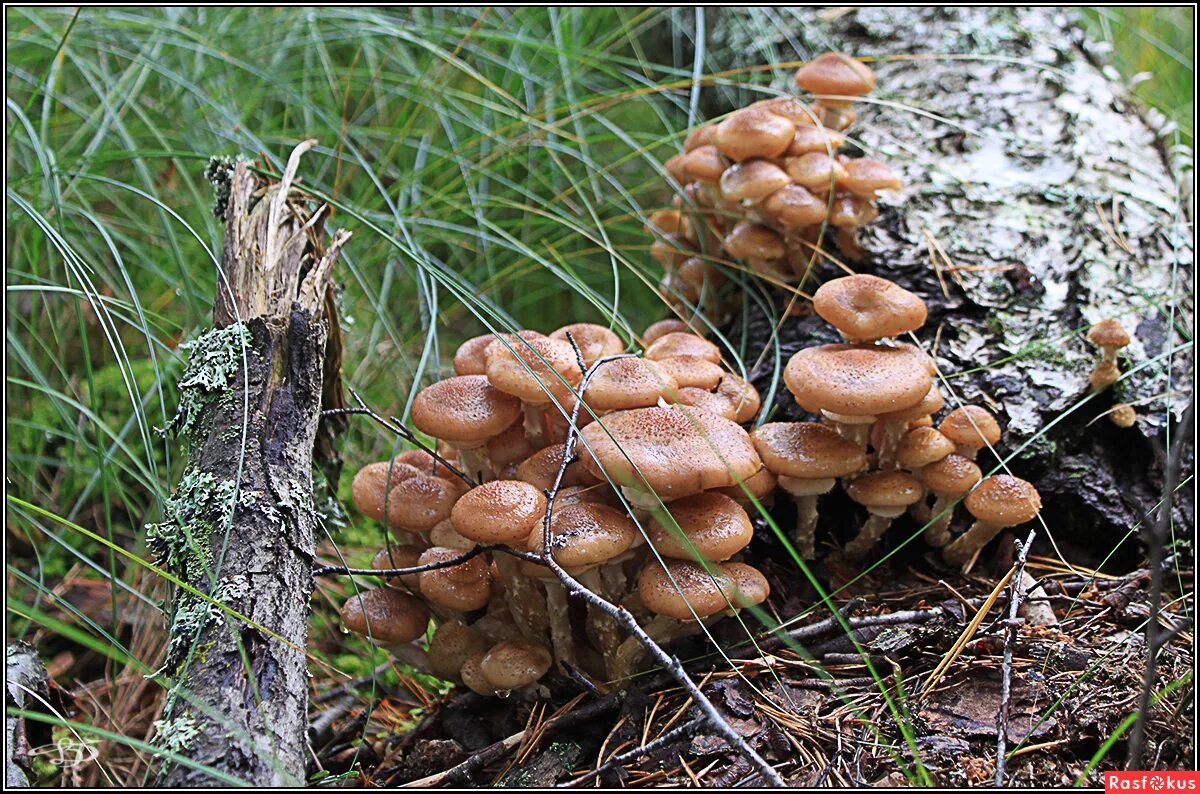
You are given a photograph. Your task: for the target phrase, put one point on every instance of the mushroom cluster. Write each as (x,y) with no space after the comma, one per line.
(650,516)
(875,399)
(763,185)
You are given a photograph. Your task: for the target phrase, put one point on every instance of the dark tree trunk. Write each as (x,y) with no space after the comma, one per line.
(1057,203)
(241,525)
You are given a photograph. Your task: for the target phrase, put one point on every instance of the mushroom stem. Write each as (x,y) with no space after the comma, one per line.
(475,463)
(535,424)
(847,238)
(856,429)
(806,493)
(872,530)
(525,603)
(603,630)
(892,432)
(561,632)
(937,534)
(411,655)
(966,544)
(833,117)
(1035,608)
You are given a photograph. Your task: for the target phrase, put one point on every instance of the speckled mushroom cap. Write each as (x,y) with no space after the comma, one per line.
(816,171)
(807,450)
(866,177)
(541,468)
(754,132)
(930,404)
(393,557)
(700,136)
(679,451)
(715,526)
(595,341)
(752,180)
(658,330)
(921,446)
(420,502)
(628,383)
(742,395)
(692,371)
(470,358)
(866,307)
(836,74)
(885,489)
(752,586)
(464,410)
(749,240)
(373,482)
(851,210)
(971,426)
(760,486)
(424,463)
(509,446)
(683,344)
(1004,500)
(515,663)
(953,475)
(703,164)
(794,205)
(549,362)
(1108,333)
(465,587)
(705,593)
(815,139)
(386,614)
(858,380)
(501,511)
(585,534)
(451,645)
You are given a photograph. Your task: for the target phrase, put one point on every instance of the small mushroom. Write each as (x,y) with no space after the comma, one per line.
(816,171)
(808,459)
(692,371)
(749,182)
(656,331)
(868,308)
(470,358)
(514,663)
(794,207)
(707,526)
(837,79)
(472,676)
(971,428)
(683,344)
(373,482)
(998,502)
(752,241)
(451,645)
(387,615)
(466,411)
(754,132)
(394,557)
(595,341)
(948,479)
(886,495)
(815,139)
(1110,336)
(538,371)
(463,587)
(628,383)
(1122,415)
(703,164)
(419,503)
(866,177)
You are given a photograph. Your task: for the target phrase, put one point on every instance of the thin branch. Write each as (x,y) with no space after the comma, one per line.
(670,663)
(675,734)
(342,570)
(1015,594)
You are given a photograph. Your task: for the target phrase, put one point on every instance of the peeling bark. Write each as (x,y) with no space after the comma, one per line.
(1059,205)
(239,702)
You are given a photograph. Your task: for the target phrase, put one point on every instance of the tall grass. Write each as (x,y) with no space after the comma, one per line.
(496,167)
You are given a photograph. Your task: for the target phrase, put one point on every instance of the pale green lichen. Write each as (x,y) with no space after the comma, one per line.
(215,357)
(176,733)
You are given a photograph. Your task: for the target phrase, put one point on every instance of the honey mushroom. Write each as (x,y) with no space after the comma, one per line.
(657,330)
(1110,336)
(418,504)
(971,428)
(918,448)
(1122,415)
(513,664)
(626,383)
(453,642)
(539,371)
(595,341)
(463,587)
(392,618)
(373,482)
(807,458)
(837,79)
(394,557)
(466,411)
(948,479)
(999,502)
(886,495)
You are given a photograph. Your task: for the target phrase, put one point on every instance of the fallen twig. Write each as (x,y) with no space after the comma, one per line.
(673,735)
(342,570)
(1015,593)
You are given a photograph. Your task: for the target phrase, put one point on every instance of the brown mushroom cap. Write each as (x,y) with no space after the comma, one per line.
(1122,415)
(534,369)
(703,164)
(1004,500)
(628,383)
(501,511)
(394,557)
(678,450)
(465,410)
(471,674)
(373,482)
(789,108)
(886,489)
(464,587)
(815,171)
(585,534)
(424,463)
(752,180)
(1108,333)
(851,210)
(794,205)
(704,400)
(683,344)
(656,331)
(692,371)
(858,380)
(749,240)
(1106,373)
(386,614)
(754,132)
(701,136)
(451,645)
(509,446)
(541,468)
(595,341)
(868,307)
(706,594)
(514,663)
(420,502)
(815,139)
(953,475)
(742,395)
(752,586)
(716,528)
(836,74)
(922,446)
(760,486)
(930,404)
(866,177)
(971,426)
(469,359)
(807,450)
